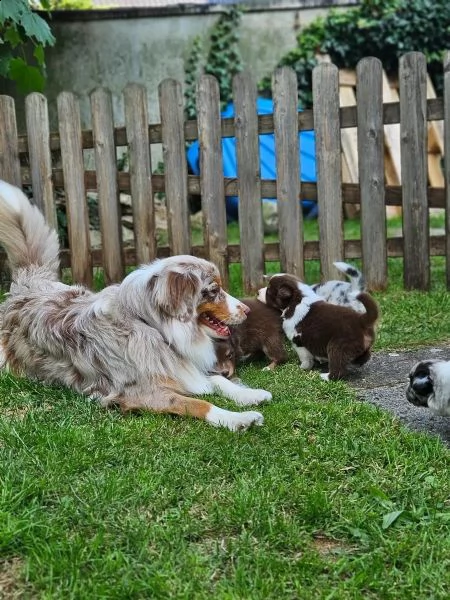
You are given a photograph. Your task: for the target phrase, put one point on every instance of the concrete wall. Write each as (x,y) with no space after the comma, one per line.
(113,47)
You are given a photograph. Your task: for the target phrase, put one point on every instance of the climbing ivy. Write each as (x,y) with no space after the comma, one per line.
(223,59)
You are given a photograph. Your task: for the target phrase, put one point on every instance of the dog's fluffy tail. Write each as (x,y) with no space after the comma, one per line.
(354,275)
(372,311)
(26,237)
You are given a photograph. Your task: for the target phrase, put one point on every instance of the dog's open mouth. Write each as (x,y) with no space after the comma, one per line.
(219,327)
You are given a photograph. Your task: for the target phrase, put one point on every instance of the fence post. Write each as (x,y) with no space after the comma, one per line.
(9,164)
(108,194)
(371,172)
(212,185)
(328,157)
(250,207)
(136,120)
(75,193)
(290,221)
(447,160)
(413,139)
(38,133)
(171,106)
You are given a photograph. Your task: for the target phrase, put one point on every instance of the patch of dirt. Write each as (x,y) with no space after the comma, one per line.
(326,546)
(11,584)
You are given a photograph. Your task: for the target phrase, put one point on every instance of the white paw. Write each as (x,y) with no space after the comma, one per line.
(325,376)
(306,366)
(245,420)
(233,421)
(250,397)
(266,368)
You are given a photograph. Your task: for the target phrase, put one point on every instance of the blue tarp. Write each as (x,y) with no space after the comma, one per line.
(267,158)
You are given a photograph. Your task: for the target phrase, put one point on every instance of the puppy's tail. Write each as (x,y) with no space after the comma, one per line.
(353,274)
(372,313)
(26,237)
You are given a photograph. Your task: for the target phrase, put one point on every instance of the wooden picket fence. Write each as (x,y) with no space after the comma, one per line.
(27,160)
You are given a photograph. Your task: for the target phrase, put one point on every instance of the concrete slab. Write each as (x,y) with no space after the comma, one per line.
(382,381)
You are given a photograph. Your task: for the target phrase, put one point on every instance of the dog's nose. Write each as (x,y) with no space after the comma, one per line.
(244,308)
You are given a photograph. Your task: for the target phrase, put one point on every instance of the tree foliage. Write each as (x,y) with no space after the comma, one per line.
(23,36)
(386,29)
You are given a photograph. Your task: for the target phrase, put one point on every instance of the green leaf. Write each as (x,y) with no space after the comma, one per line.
(390,518)
(13,36)
(38,54)
(5,60)
(27,77)
(36,27)
(13,10)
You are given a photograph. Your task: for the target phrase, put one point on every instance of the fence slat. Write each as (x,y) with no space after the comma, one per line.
(171,106)
(108,195)
(9,163)
(76,206)
(371,171)
(250,207)
(38,131)
(447,160)
(136,120)
(413,138)
(9,143)
(284,89)
(328,165)
(211,174)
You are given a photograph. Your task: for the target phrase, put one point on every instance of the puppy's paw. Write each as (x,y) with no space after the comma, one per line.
(325,376)
(306,366)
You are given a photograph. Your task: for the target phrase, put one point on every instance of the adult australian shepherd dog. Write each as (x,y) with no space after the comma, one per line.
(145,344)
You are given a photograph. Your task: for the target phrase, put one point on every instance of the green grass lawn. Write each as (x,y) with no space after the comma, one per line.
(332,498)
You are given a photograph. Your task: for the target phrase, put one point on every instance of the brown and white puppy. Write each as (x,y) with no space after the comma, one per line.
(261,334)
(319,329)
(145,344)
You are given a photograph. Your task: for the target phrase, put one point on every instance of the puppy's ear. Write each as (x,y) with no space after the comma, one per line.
(175,294)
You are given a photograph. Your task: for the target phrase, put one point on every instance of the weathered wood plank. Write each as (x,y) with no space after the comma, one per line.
(413,127)
(271,251)
(171,106)
(140,175)
(9,142)
(447,160)
(108,194)
(250,208)
(38,130)
(328,166)
(9,163)
(212,186)
(371,172)
(290,218)
(73,169)
(350,191)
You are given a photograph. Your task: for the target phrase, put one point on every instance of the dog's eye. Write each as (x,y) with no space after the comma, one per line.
(211,291)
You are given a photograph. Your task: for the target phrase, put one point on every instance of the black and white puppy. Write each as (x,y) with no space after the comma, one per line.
(319,329)
(429,386)
(343,293)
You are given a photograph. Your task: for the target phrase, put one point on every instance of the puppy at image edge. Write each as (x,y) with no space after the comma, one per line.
(429,386)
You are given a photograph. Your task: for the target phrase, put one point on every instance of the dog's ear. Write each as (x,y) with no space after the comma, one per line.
(175,294)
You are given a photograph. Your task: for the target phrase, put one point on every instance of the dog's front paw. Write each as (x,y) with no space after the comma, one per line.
(252,397)
(325,376)
(234,421)
(246,420)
